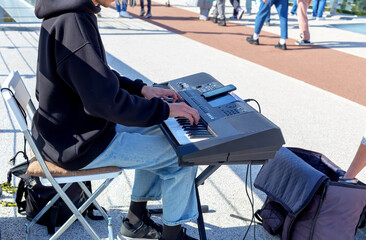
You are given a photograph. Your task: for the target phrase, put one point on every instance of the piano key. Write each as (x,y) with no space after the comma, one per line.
(194,128)
(199,137)
(181,135)
(191,133)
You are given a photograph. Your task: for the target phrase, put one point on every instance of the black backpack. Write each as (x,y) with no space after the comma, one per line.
(37,196)
(32,196)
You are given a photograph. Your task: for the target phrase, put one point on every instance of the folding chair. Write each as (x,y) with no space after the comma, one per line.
(18,99)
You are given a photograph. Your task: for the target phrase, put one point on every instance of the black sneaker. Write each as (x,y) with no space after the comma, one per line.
(139,231)
(214,19)
(281,46)
(252,41)
(149,222)
(222,22)
(182,235)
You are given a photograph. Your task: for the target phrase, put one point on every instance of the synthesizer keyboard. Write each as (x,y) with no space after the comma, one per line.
(230,131)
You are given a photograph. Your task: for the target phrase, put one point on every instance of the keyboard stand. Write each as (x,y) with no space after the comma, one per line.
(200,181)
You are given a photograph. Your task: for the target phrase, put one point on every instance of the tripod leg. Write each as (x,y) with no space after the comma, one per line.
(200,222)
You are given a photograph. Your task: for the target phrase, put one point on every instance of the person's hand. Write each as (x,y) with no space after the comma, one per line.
(150,92)
(181,109)
(265,1)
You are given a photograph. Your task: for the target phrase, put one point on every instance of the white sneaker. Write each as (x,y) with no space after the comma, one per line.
(303,42)
(320,18)
(240,13)
(118,15)
(148,15)
(203,18)
(124,14)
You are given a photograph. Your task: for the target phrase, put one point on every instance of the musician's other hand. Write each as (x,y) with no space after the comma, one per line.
(181,109)
(149,92)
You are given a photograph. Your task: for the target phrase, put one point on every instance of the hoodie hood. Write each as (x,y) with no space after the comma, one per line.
(51,8)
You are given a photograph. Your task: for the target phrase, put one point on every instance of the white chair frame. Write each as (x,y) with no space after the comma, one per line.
(13,90)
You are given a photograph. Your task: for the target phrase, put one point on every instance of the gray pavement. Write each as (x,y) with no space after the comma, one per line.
(309,117)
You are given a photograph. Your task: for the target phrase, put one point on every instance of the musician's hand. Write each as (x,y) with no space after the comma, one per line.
(265,1)
(183,110)
(149,92)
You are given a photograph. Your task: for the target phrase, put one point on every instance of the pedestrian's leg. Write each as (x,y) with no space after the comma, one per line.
(204,9)
(118,5)
(236,5)
(149,6)
(303,19)
(262,14)
(239,11)
(214,11)
(321,8)
(282,9)
(124,5)
(268,16)
(294,8)
(315,7)
(248,6)
(221,9)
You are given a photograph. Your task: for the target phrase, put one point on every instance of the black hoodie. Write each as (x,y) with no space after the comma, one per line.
(80,98)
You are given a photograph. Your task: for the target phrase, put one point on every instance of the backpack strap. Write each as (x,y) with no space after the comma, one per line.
(53,218)
(272,216)
(91,208)
(90,213)
(257,216)
(19,196)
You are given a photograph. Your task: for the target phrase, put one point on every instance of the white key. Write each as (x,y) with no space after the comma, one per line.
(179,134)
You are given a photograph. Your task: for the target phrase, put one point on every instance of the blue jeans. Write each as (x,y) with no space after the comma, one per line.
(268,17)
(318,7)
(248,6)
(264,11)
(294,8)
(121,6)
(157,173)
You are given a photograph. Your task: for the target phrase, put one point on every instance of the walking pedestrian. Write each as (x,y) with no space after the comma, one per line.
(121,7)
(264,10)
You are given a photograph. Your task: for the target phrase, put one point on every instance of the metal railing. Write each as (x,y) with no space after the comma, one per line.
(17,11)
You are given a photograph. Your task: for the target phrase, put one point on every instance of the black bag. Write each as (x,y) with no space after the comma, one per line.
(306,201)
(36,196)
(32,196)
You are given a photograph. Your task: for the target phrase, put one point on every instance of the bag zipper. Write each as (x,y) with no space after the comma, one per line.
(350,185)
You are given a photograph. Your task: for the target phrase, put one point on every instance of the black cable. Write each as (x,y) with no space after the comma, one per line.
(250,100)
(25,119)
(16,100)
(251,200)
(251,190)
